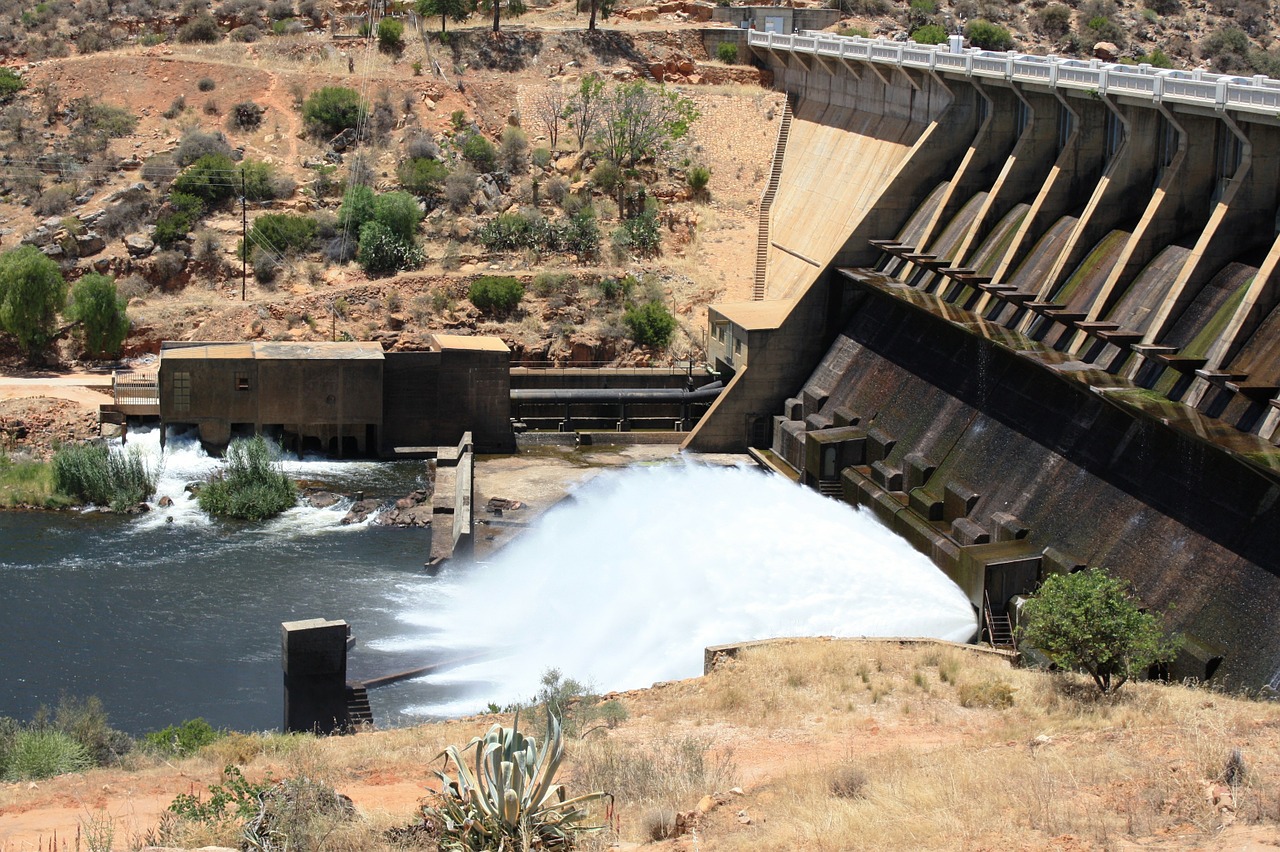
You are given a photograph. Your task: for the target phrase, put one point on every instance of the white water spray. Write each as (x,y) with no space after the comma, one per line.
(627,584)
(183,461)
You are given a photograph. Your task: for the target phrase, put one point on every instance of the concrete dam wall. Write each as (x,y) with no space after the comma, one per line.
(1042,335)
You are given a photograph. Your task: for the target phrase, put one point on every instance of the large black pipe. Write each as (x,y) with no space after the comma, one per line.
(706,393)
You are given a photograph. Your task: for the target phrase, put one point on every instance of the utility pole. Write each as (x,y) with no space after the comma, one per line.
(244,239)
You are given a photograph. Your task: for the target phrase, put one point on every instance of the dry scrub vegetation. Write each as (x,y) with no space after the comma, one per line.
(808,744)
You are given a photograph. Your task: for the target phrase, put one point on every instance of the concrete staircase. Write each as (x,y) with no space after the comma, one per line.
(766,202)
(831,488)
(359,713)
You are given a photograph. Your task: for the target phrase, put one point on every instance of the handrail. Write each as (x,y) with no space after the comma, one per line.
(1257,94)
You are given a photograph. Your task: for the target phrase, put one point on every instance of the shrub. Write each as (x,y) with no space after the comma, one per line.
(10,84)
(848,782)
(247,34)
(495,294)
(651,324)
(280,9)
(172,227)
(607,177)
(284,233)
(510,799)
(383,252)
(110,121)
(514,150)
(859,32)
(541,157)
(196,143)
(357,208)
(261,182)
(727,52)
(698,177)
(422,146)
(251,487)
(390,35)
(246,115)
(202,28)
(210,179)
(43,753)
(987,693)
(1103,28)
(423,177)
(100,311)
(332,109)
(266,266)
(988,36)
(930,34)
(206,84)
(1089,620)
(182,740)
(1054,19)
(93,474)
(480,153)
(399,212)
(176,108)
(640,235)
(54,200)
(459,186)
(85,721)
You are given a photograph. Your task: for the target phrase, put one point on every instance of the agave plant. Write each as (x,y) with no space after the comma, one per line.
(505,800)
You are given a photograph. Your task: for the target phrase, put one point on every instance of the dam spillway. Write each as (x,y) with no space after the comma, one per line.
(1026,310)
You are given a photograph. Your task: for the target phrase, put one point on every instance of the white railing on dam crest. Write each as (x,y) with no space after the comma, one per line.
(1258,94)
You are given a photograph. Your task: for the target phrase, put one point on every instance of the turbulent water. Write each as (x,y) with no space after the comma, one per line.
(169,615)
(626,584)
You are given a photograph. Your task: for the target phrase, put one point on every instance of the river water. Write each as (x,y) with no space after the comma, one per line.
(168,615)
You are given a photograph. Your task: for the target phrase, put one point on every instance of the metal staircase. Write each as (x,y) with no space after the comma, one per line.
(998,626)
(766,201)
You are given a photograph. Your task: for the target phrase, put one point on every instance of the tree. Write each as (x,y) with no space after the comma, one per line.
(333,109)
(390,35)
(513,8)
(32,292)
(583,111)
(1089,620)
(457,10)
(550,108)
(100,311)
(640,121)
(650,324)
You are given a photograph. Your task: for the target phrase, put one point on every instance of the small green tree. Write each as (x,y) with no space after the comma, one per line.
(480,152)
(496,294)
(390,35)
(456,10)
(32,293)
(650,324)
(640,121)
(214,179)
(423,176)
(333,109)
(727,52)
(1089,620)
(100,311)
(988,36)
(399,212)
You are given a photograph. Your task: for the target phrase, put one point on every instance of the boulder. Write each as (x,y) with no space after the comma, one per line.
(318,499)
(1106,51)
(360,511)
(139,245)
(90,244)
(699,11)
(165,502)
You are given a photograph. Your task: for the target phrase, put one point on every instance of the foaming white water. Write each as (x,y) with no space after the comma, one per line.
(627,584)
(183,461)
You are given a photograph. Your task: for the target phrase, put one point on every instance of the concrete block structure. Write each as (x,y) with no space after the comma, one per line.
(1027,311)
(314,659)
(344,398)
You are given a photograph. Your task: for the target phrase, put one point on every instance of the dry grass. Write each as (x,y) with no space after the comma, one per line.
(837,745)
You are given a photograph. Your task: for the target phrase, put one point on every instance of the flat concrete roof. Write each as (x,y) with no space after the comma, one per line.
(755,315)
(274,351)
(474,342)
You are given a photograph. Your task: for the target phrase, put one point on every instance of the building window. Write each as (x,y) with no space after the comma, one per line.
(242,381)
(737,346)
(181,392)
(1066,126)
(1114,134)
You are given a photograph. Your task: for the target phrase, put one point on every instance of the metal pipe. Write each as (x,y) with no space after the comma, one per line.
(706,393)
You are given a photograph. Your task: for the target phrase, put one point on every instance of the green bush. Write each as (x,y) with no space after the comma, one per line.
(202,28)
(423,176)
(209,179)
(930,34)
(44,753)
(1103,28)
(496,294)
(1054,19)
(93,474)
(261,182)
(727,52)
(100,311)
(383,252)
(480,153)
(514,230)
(357,208)
(182,740)
(85,721)
(854,32)
(10,84)
(399,212)
(650,324)
(390,35)
(251,487)
(698,177)
(284,232)
(640,235)
(607,177)
(183,214)
(333,109)
(32,293)
(988,36)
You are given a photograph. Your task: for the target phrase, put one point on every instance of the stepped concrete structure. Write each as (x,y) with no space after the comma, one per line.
(1026,310)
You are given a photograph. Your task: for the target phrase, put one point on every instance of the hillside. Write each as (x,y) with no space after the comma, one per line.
(813,744)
